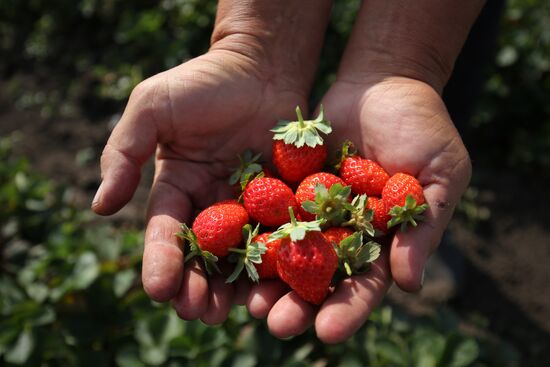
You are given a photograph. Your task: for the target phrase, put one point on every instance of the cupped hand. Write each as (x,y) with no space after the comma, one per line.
(402,124)
(196,118)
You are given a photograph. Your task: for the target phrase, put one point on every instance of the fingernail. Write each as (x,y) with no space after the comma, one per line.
(97,196)
(422,277)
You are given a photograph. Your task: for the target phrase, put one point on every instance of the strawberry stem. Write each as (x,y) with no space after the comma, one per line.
(292,217)
(237,250)
(300,117)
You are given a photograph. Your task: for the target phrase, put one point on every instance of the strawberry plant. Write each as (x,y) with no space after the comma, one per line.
(70,294)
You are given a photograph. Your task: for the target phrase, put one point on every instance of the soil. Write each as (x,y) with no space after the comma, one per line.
(505,258)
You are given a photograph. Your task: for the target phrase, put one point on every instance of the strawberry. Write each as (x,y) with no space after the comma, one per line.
(298,149)
(306,260)
(214,231)
(267,200)
(336,234)
(293,164)
(267,269)
(306,190)
(363,175)
(403,197)
(380,217)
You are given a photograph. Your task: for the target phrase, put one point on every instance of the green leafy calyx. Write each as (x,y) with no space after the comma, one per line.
(361,216)
(355,256)
(208,258)
(248,166)
(330,205)
(410,213)
(295,230)
(302,132)
(247,257)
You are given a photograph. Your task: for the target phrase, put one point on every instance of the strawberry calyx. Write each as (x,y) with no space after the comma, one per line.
(354,256)
(347,150)
(330,205)
(302,132)
(208,258)
(248,165)
(361,216)
(409,213)
(295,230)
(248,256)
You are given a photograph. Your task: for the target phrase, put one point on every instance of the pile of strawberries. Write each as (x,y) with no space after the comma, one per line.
(311,236)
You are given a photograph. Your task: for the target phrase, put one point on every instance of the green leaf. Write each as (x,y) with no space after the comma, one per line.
(37,291)
(128,356)
(427,348)
(154,335)
(406,215)
(22,349)
(373,250)
(310,206)
(236,272)
(123,280)
(45,316)
(466,352)
(391,353)
(296,230)
(86,270)
(208,258)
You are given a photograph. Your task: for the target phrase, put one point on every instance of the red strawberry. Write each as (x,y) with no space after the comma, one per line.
(214,231)
(336,234)
(306,190)
(267,200)
(380,217)
(293,164)
(403,197)
(219,227)
(267,269)
(363,175)
(298,149)
(306,260)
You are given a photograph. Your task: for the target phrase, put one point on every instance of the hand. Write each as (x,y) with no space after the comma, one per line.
(198,117)
(402,124)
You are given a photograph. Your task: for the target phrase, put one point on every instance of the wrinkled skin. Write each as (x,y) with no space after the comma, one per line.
(200,115)
(197,117)
(402,124)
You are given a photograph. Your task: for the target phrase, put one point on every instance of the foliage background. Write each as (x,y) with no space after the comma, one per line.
(69,285)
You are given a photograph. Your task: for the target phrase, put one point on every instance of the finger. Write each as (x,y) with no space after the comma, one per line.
(242,289)
(192,299)
(343,313)
(162,270)
(263,296)
(220,301)
(290,316)
(410,249)
(131,143)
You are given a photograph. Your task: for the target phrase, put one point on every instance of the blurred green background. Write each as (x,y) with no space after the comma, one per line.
(70,293)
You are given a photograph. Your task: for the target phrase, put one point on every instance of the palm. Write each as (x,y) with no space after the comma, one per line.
(403,125)
(214,113)
(197,117)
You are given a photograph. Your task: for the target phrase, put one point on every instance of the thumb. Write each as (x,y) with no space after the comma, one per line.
(131,143)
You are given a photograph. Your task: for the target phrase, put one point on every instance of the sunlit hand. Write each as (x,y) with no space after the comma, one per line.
(197,117)
(402,124)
